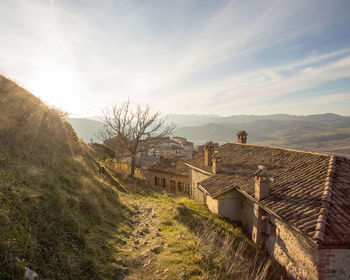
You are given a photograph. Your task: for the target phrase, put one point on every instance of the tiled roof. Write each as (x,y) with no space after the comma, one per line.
(170,166)
(311,192)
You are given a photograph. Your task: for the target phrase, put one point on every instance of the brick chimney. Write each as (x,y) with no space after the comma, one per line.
(242,137)
(216,161)
(262,180)
(208,153)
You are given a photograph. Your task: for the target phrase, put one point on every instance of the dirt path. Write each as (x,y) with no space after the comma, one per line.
(144,243)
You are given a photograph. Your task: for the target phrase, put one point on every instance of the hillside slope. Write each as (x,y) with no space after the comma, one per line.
(86,129)
(57,216)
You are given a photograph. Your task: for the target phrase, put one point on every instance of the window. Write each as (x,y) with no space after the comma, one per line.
(163,182)
(172,186)
(180,186)
(155,180)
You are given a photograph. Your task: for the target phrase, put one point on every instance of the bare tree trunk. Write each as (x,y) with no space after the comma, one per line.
(133,163)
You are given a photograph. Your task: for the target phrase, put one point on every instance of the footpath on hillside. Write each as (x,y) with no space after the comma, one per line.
(169,237)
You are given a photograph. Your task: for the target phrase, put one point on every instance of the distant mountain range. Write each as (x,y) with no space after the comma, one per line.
(322,132)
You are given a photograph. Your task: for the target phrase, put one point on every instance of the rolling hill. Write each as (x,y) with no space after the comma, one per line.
(321,132)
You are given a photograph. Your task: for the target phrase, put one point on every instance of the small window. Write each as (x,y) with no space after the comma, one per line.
(179,186)
(164,183)
(155,180)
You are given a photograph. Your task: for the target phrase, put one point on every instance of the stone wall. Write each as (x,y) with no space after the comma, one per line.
(334,264)
(195,178)
(291,250)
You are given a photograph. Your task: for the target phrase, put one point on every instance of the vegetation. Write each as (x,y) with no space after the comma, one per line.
(57,215)
(62,219)
(131,131)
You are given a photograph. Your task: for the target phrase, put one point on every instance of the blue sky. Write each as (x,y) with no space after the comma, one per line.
(194,57)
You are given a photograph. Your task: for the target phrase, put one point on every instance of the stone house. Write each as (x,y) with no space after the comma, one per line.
(169,176)
(177,147)
(295,203)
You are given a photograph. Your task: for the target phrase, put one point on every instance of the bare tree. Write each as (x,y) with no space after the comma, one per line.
(132,131)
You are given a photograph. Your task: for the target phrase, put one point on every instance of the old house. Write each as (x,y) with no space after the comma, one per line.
(176,147)
(169,176)
(295,203)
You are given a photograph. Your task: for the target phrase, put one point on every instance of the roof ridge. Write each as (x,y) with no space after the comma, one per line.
(281,148)
(325,204)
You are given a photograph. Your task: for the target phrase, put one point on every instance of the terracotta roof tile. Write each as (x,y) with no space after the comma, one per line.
(311,191)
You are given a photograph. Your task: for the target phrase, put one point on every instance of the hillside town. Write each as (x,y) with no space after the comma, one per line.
(294,203)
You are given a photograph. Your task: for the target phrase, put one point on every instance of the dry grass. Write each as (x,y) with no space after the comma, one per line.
(57,215)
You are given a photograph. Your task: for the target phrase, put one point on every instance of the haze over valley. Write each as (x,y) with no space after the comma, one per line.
(319,133)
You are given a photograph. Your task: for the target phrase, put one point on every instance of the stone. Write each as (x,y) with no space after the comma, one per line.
(183,275)
(30,274)
(121,241)
(155,250)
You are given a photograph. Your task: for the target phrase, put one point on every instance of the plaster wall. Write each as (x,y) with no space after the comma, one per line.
(213,204)
(247,215)
(230,205)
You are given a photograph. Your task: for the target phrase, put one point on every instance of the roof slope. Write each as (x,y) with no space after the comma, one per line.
(305,193)
(170,166)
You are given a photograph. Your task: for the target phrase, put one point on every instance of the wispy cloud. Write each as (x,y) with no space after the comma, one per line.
(183,56)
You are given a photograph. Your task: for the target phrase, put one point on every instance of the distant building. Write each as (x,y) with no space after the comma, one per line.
(169,176)
(177,147)
(295,203)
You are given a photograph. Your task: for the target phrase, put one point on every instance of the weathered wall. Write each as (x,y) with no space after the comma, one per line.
(291,250)
(196,177)
(247,215)
(334,264)
(230,205)
(212,204)
(150,174)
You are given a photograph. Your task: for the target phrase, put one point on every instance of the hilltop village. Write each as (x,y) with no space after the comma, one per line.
(294,203)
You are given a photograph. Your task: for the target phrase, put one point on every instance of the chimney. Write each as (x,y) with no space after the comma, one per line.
(208,153)
(262,180)
(216,161)
(242,137)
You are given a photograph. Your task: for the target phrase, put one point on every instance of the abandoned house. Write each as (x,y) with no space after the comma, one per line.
(169,176)
(295,203)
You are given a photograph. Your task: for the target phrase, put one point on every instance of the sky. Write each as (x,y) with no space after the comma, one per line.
(186,57)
